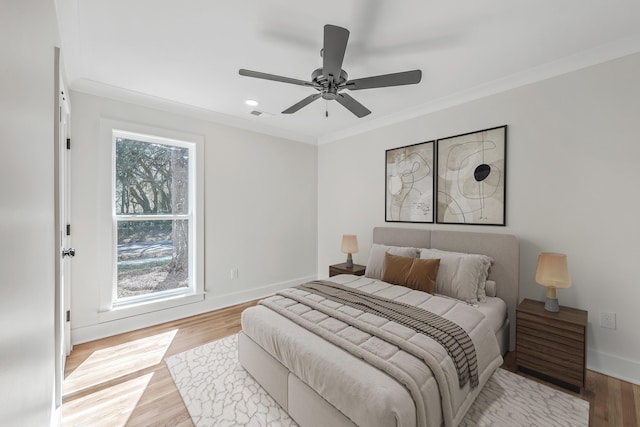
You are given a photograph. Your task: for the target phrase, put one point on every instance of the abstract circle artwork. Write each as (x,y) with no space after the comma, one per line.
(471,178)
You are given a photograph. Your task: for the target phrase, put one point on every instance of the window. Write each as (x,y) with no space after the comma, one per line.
(153,218)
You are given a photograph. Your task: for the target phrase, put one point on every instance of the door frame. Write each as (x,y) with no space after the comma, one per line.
(62,238)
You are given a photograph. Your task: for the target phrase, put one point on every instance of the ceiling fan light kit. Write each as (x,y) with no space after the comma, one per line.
(331,79)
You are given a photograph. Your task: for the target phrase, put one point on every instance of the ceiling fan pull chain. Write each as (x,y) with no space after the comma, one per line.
(326,108)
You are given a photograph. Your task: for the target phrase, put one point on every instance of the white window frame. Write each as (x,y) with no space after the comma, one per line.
(189,216)
(110,307)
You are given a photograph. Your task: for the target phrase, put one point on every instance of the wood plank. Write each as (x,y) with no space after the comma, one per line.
(636,399)
(600,401)
(614,402)
(627,402)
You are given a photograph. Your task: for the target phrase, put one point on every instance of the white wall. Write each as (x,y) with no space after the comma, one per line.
(28,31)
(260,213)
(572,187)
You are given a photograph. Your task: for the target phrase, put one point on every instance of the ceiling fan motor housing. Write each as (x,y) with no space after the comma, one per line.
(330,86)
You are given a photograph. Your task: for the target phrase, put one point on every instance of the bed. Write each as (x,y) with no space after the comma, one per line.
(361,374)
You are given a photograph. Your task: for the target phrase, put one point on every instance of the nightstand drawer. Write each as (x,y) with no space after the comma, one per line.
(570,375)
(560,336)
(563,350)
(555,326)
(550,356)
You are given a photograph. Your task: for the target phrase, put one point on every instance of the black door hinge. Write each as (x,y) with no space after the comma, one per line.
(68,229)
(68,143)
(68,315)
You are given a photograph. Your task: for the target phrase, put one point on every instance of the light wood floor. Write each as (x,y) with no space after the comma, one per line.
(123,380)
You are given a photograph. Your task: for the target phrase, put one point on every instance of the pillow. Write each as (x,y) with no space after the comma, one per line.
(375,264)
(491,289)
(414,273)
(396,268)
(461,276)
(422,275)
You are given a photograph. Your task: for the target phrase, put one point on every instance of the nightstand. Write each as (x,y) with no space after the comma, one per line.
(552,346)
(357,270)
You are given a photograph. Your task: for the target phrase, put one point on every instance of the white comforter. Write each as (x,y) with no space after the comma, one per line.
(367,395)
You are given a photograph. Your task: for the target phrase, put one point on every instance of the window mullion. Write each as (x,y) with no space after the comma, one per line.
(160,217)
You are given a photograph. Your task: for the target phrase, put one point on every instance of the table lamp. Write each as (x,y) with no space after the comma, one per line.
(349,246)
(553,273)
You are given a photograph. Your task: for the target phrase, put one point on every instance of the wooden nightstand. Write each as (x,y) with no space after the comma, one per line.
(552,346)
(357,270)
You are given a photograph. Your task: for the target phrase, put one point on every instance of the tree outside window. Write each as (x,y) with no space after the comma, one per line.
(152,215)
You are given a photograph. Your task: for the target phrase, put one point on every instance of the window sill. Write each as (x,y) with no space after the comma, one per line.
(148,307)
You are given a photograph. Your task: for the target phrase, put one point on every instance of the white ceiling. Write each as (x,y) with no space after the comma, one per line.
(184,55)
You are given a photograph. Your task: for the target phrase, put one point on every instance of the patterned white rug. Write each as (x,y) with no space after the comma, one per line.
(219,392)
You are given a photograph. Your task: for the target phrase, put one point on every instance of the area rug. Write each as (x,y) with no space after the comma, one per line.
(219,392)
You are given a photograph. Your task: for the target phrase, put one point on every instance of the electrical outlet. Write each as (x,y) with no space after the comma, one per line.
(607,320)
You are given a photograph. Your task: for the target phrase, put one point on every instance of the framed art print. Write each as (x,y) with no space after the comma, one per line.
(409,174)
(471,179)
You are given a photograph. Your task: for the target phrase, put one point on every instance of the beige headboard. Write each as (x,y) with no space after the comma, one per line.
(503,248)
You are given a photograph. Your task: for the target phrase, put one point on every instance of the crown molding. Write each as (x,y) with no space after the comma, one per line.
(92,87)
(599,54)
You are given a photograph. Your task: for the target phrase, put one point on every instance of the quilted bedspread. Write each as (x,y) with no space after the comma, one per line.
(382,372)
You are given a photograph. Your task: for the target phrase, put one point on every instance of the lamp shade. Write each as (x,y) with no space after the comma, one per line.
(349,244)
(553,270)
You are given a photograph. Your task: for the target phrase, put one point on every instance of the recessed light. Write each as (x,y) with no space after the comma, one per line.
(251,102)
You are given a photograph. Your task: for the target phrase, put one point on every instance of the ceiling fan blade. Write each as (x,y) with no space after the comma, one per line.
(265,76)
(335,45)
(352,105)
(386,80)
(306,101)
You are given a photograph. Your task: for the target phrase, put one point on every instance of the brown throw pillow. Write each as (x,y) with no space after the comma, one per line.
(422,275)
(414,273)
(396,268)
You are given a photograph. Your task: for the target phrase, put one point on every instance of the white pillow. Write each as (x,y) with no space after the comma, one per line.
(461,276)
(375,265)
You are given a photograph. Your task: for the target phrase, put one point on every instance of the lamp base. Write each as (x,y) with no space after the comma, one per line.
(551,304)
(349,261)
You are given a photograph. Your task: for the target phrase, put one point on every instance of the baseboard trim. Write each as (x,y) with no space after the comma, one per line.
(614,366)
(211,302)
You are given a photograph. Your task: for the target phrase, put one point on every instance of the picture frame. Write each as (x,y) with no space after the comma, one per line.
(409,183)
(471,178)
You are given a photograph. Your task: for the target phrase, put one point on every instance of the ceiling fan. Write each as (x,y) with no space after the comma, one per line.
(331,79)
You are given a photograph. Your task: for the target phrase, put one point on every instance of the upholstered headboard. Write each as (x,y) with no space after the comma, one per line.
(503,248)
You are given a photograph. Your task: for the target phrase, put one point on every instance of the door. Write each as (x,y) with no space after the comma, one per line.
(63,250)
(66,249)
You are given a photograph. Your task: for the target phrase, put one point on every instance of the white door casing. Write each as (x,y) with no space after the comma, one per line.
(62,235)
